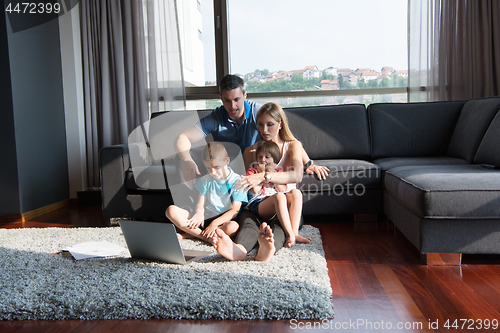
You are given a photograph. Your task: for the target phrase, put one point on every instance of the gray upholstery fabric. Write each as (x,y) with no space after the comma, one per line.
(414,129)
(343,175)
(326,132)
(406,221)
(474,120)
(354,202)
(472,236)
(489,149)
(117,200)
(454,235)
(388,163)
(457,191)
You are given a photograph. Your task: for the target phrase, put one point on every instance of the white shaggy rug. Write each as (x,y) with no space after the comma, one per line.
(36,284)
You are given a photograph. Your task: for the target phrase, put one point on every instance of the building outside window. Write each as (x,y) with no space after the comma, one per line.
(319,52)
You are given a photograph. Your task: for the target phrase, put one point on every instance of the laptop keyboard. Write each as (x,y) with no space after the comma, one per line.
(187,258)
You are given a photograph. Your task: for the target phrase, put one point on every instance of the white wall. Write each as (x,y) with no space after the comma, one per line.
(69,30)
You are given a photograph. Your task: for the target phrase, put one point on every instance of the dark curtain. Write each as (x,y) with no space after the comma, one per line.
(454,49)
(472,46)
(115,74)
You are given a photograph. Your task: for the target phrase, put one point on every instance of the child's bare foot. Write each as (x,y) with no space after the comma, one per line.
(226,247)
(290,241)
(266,243)
(302,239)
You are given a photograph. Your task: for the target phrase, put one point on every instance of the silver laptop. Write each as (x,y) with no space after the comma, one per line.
(157,241)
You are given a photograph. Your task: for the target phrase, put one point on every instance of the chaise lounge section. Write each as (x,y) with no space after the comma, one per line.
(453,208)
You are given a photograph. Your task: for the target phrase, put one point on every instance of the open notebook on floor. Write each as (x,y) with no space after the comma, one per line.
(157,241)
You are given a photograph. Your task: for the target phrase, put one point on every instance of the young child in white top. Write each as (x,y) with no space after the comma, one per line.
(270,198)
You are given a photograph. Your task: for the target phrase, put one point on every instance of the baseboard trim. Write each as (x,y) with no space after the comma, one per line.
(34,213)
(11,218)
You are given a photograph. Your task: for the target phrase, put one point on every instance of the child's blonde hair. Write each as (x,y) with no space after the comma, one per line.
(269,147)
(214,151)
(275,111)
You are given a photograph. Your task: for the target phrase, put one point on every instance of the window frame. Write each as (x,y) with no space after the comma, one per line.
(222,64)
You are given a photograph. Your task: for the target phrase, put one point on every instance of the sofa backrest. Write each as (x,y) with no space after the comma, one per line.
(489,148)
(339,131)
(472,124)
(164,127)
(413,129)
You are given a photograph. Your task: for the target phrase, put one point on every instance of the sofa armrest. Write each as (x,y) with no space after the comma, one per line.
(139,154)
(114,161)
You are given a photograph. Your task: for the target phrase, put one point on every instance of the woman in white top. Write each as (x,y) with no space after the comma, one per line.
(272,124)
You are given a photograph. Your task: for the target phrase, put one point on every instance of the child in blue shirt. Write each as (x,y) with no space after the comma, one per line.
(218,202)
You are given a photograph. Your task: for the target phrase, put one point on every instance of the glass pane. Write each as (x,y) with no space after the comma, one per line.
(290,102)
(203,104)
(289,45)
(196,26)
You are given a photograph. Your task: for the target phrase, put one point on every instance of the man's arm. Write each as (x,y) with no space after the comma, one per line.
(183,145)
(185,140)
(248,156)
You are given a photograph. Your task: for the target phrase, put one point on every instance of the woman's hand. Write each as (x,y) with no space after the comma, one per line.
(247,182)
(320,171)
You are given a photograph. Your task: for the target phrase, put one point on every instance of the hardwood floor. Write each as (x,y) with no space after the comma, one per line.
(377,277)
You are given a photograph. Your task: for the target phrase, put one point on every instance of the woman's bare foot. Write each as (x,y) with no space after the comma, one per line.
(302,239)
(226,247)
(266,243)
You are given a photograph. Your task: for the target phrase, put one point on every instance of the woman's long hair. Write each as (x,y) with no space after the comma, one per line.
(277,113)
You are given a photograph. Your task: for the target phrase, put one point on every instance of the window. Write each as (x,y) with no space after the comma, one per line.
(197,41)
(304,53)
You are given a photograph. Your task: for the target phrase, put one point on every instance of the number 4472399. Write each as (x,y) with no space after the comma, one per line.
(472,324)
(34,8)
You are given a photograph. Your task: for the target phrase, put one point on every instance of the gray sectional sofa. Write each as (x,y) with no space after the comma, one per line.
(420,164)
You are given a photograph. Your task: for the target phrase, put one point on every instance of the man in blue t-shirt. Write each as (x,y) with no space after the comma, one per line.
(234,121)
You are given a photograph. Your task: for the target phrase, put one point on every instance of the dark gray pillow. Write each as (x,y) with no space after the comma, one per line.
(474,120)
(339,131)
(489,149)
(413,129)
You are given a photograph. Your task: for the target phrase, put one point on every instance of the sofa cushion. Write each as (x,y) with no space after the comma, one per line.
(344,175)
(446,191)
(346,202)
(327,132)
(146,178)
(489,149)
(474,120)
(388,163)
(413,129)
